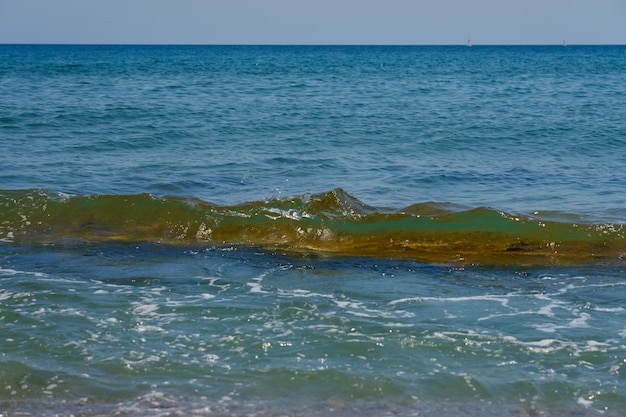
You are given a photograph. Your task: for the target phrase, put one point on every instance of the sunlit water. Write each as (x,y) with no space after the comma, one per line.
(116,302)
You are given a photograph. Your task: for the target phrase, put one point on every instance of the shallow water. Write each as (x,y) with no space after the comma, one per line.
(111,322)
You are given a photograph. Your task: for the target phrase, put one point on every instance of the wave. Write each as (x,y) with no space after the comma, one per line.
(332,223)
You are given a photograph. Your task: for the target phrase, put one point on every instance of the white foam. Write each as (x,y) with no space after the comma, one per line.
(287,214)
(358,309)
(503,300)
(206,296)
(595,346)
(142,328)
(577,323)
(608,310)
(584,402)
(493,316)
(255,284)
(551,345)
(17,272)
(8,238)
(303,294)
(211,358)
(146,309)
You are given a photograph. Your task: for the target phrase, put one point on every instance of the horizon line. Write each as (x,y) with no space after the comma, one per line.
(301,44)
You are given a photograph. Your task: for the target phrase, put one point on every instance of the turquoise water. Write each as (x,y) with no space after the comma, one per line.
(226,230)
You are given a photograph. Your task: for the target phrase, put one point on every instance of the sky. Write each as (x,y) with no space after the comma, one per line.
(414,22)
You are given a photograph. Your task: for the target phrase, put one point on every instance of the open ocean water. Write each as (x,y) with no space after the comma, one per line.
(303,230)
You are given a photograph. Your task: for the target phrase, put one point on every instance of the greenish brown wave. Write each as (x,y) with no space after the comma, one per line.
(333,223)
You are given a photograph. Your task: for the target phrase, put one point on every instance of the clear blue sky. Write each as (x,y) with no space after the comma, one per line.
(314,21)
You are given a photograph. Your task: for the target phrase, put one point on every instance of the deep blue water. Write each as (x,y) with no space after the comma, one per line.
(145,328)
(514,128)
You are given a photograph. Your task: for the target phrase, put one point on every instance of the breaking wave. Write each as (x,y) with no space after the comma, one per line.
(332,223)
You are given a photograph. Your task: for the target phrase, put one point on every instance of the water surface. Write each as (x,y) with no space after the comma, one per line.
(224,230)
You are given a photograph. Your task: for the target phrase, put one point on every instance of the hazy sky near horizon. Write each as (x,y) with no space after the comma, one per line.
(313,21)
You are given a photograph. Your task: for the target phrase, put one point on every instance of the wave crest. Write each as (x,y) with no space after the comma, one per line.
(333,223)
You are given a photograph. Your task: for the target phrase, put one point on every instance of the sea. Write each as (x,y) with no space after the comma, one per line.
(312,230)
